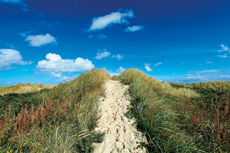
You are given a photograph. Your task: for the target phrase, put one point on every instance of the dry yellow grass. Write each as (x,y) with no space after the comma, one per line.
(23,88)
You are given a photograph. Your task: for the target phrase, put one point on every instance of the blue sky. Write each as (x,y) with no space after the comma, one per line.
(51,41)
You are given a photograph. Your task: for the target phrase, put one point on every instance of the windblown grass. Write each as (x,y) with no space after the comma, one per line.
(62,122)
(23,88)
(175,117)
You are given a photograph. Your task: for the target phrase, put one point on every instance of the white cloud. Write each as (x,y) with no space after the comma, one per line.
(224,48)
(55,65)
(102,22)
(207,71)
(40,40)
(134,28)
(209,62)
(8,57)
(159,63)
(118,56)
(12,1)
(67,77)
(102,54)
(196,76)
(200,78)
(117,72)
(120,70)
(223,56)
(189,78)
(101,36)
(147,67)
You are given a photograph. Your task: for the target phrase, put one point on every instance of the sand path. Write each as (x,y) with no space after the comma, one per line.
(120,133)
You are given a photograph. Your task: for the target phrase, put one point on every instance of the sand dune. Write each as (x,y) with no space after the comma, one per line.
(120,133)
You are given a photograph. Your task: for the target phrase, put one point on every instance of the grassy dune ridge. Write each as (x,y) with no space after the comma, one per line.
(177,117)
(62,119)
(23,88)
(174,117)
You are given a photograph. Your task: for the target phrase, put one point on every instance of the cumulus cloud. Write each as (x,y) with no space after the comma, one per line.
(134,28)
(118,17)
(55,65)
(102,54)
(101,36)
(40,40)
(118,56)
(9,57)
(147,67)
(209,62)
(157,64)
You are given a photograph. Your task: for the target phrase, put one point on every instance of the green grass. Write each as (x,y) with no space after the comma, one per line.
(179,118)
(61,119)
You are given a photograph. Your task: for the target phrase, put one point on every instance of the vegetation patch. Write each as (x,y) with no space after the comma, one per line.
(180,118)
(23,88)
(61,119)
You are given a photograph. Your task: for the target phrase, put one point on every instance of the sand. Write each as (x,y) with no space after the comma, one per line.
(121,134)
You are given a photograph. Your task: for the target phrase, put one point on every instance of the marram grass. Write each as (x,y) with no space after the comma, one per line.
(179,118)
(62,122)
(153,114)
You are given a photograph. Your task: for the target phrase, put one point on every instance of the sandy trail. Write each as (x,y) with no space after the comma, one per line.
(120,133)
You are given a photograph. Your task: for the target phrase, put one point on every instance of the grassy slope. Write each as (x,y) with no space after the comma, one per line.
(174,117)
(177,117)
(23,88)
(57,120)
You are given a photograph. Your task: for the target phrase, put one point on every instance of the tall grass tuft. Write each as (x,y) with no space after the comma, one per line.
(62,122)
